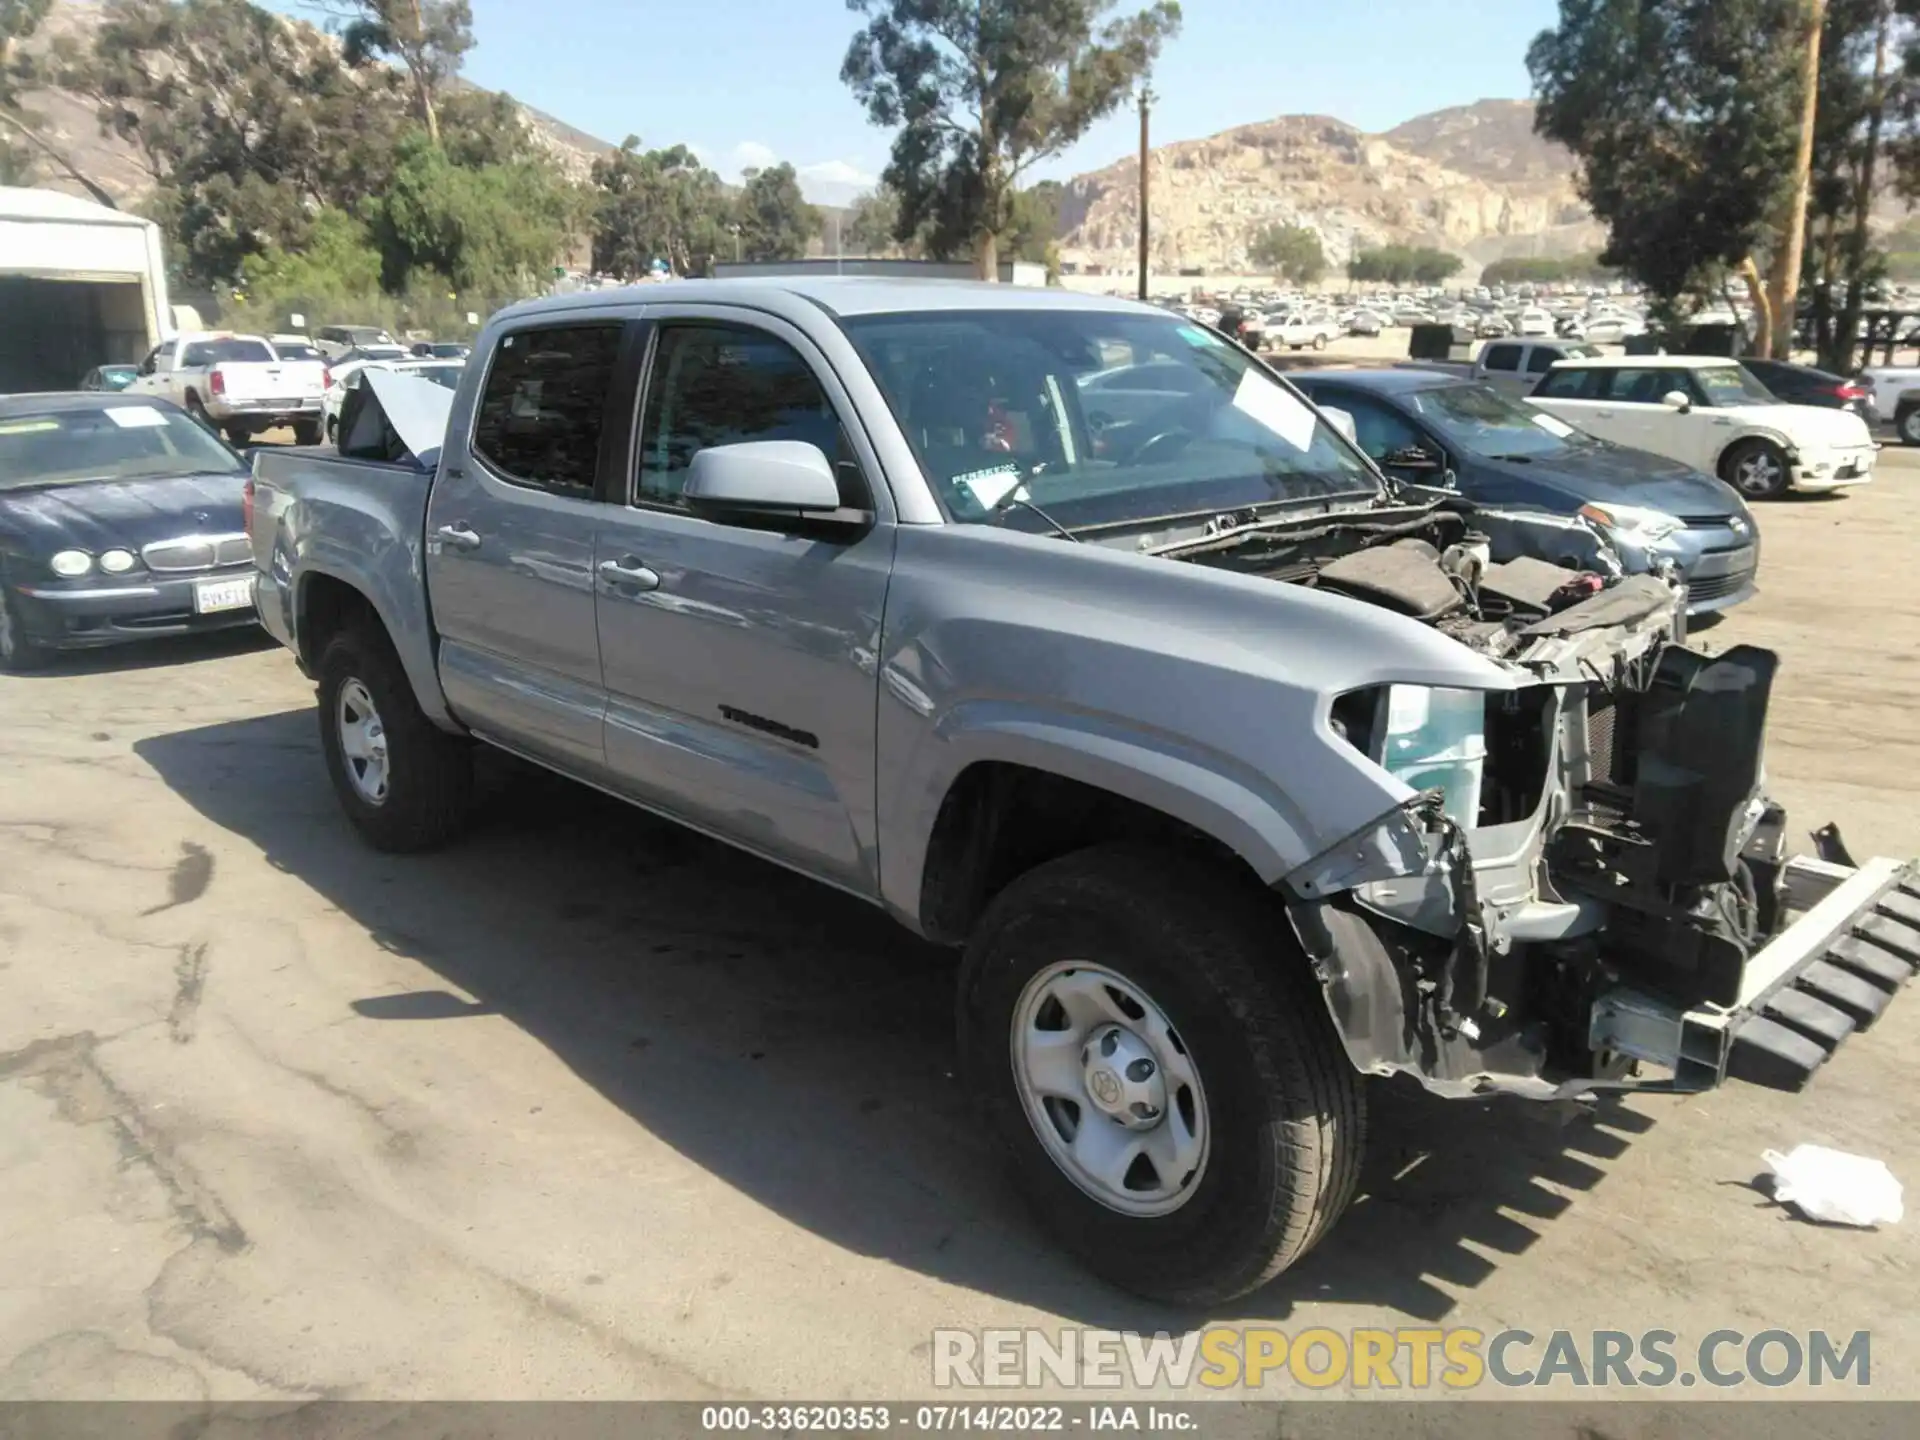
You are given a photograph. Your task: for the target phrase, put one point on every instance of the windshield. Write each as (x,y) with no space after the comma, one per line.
(1730,385)
(215,352)
(1105,417)
(116,442)
(1482,421)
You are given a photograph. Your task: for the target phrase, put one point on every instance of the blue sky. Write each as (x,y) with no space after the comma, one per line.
(751,82)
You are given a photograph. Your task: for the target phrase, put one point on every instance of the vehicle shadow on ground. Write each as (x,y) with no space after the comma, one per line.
(798,1044)
(164,651)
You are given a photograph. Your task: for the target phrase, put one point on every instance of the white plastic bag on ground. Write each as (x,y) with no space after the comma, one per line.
(1836,1187)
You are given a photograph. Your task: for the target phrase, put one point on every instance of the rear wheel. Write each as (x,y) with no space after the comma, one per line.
(1757,469)
(306,432)
(1907,423)
(1319,342)
(198,410)
(405,783)
(1162,1072)
(238,435)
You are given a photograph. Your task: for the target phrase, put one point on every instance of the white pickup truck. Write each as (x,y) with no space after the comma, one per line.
(237,384)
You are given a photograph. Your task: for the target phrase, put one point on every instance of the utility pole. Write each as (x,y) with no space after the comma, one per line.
(1784,297)
(1146,104)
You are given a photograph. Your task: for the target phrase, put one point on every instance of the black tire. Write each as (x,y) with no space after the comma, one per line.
(306,432)
(1737,469)
(237,435)
(1319,342)
(430,773)
(1285,1110)
(19,652)
(198,410)
(1907,423)
(333,429)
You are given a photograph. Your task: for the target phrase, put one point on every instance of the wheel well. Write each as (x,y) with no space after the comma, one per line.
(327,607)
(999,821)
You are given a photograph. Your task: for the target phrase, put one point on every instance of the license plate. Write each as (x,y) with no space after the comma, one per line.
(212,595)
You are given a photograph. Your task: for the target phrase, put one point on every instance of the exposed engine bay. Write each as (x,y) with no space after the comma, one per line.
(1588,874)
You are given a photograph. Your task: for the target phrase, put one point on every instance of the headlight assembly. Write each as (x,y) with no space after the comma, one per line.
(71,564)
(1633,523)
(117,562)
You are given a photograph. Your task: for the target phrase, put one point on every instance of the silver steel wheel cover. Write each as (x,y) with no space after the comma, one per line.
(363,742)
(1109,1088)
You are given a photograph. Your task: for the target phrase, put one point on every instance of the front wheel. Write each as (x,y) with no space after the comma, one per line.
(1319,342)
(1162,1072)
(1907,423)
(405,783)
(1757,469)
(19,651)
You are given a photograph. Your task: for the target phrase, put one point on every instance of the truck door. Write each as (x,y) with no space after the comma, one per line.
(509,544)
(740,662)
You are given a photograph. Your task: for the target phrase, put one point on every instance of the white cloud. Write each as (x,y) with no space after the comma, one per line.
(752,155)
(826,182)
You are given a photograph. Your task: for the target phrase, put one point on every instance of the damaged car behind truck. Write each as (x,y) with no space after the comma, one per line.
(1240,772)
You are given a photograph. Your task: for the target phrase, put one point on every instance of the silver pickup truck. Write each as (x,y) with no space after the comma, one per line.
(1240,772)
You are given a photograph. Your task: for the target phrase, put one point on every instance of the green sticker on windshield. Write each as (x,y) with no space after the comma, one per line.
(1194,335)
(27,427)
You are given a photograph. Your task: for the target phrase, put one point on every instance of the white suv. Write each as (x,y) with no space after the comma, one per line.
(1707,412)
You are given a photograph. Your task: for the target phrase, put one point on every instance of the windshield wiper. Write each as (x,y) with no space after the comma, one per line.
(1014,500)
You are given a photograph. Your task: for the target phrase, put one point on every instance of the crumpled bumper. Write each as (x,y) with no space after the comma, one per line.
(1827,976)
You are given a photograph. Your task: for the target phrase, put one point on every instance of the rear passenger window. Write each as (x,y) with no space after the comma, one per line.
(1540,361)
(543,405)
(715,384)
(1503,357)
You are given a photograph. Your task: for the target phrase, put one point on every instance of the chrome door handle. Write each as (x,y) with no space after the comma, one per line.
(629,574)
(457,537)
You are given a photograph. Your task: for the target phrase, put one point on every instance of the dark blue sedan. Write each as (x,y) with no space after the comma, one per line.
(1430,429)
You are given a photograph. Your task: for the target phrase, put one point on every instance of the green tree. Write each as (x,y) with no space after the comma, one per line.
(979,90)
(1546,270)
(1290,251)
(870,226)
(428,39)
(338,262)
(246,122)
(775,220)
(1033,232)
(1404,265)
(493,230)
(26,147)
(1684,115)
(657,204)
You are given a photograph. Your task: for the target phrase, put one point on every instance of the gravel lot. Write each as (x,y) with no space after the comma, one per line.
(588,1106)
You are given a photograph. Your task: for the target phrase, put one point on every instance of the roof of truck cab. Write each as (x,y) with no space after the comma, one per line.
(838,295)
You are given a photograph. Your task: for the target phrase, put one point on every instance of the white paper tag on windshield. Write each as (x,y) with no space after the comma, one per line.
(1553,425)
(135,417)
(990,486)
(1274,408)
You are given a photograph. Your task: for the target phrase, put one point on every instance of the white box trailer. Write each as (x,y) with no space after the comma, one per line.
(80,285)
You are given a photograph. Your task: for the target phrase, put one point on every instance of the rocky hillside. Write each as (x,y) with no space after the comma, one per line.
(1473,179)
(114,164)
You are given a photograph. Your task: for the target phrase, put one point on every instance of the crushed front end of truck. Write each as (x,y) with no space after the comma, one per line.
(1588,887)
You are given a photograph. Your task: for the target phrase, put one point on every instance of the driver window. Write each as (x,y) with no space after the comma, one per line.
(1378,430)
